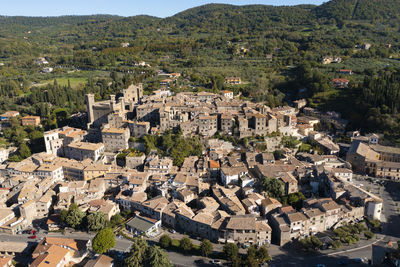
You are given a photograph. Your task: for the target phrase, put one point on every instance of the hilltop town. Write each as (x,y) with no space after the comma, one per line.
(254,175)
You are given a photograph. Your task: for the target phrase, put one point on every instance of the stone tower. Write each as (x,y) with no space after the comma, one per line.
(89,106)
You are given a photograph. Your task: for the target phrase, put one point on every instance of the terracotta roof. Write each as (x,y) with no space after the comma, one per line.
(242,222)
(340,80)
(386,149)
(52,257)
(101,261)
(296,216)
(115,130)
(4,261)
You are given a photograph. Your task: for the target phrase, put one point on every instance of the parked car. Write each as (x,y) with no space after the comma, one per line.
(32,237)
(216,262)
(172,231)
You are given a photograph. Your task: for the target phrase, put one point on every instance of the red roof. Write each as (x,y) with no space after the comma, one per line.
(340,80)
(214,164)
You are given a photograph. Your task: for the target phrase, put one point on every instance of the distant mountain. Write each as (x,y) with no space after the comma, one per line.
(359,9)
(52,21)
(211,18)
(230,18)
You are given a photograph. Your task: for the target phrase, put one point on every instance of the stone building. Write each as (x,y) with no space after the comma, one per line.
(134,160)
(30,121)
(98,112)
(139,128)
(115,139)
(246,229)
(207,125)
(83,150)
(227,124)
(56,140)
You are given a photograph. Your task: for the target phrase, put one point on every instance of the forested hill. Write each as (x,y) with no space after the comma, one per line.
(218,18)
(229,18)
(359,9)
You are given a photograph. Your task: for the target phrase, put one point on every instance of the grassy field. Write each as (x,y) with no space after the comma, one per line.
(63,81)
(76,79)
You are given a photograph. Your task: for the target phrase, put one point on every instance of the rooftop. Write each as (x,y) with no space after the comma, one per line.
(86,146)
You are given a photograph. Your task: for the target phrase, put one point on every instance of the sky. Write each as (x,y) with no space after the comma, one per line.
(159,8)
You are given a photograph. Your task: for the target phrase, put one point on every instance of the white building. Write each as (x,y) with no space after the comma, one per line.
(231,175)
(343,173)
(3,155)
(48,170)
(374,209)
(53,142)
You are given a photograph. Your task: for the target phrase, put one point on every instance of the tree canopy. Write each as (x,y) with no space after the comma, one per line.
(103,241)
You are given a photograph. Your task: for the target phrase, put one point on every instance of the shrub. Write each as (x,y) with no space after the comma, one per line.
(206,247)
(374,223)
(186,244)
(175,243)
(349,240)
(230,250)
(368,234)
(316,242)
(336,244)
(165,241)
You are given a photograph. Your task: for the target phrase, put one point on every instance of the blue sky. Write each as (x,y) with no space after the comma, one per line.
(159,8)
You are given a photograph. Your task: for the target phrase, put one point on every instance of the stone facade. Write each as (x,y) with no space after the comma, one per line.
(114,139)
(82,150)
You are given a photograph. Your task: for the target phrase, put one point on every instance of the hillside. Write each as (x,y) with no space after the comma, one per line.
(228,18)
(360,9)
(276,51)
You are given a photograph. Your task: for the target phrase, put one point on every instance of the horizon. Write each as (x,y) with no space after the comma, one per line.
(124,8)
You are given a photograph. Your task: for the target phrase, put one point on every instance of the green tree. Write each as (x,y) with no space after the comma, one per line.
(296,200)
(136,256)
(230,250)
(262,255)
(368,234)
(74,218)
(336,244)
(250,259)
(96,221)
(316,242)
(116,220)
(63,215)
(274,187)
(186,244)
(24,151)
(306,243)
(279,154)
(73,206)
(156,257)
(206,247)
(165,241)
(305,147)
(103,241)
(289,141)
